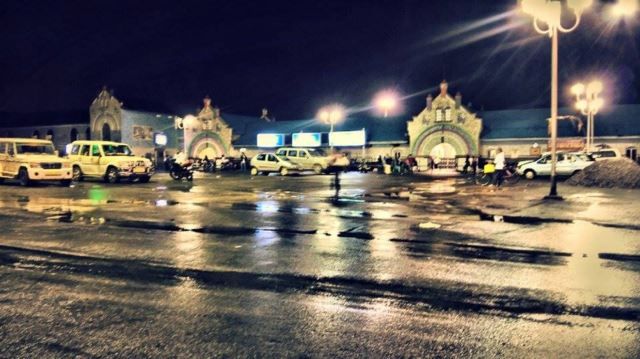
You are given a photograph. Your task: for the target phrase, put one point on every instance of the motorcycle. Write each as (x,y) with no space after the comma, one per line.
(178,172)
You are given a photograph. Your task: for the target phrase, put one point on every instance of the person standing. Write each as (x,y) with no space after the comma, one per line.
(465,168)
(243,162)
(500,166)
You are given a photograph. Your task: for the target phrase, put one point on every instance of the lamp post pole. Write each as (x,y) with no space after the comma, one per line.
(553,192)
(549,13)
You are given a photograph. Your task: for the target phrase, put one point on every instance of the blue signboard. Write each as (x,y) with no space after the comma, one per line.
(270,140)
(306,139)
(347,138)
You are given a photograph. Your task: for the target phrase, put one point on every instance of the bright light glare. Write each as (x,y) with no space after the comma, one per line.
(594,88)
(546,11)
(596,105)
(579,5)
(625,8)
(577,89)
(331,114)
(581,105)
(386,102)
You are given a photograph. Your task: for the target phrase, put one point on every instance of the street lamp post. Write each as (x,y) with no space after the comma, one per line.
(549,13)
(331,115)
(588,103)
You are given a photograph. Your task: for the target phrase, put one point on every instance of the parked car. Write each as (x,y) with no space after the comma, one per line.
(29,160)
(266,163)
(605,154)
(567,165)
(309,159)
(110,161)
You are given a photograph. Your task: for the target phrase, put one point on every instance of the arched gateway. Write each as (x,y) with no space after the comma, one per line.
(445,129)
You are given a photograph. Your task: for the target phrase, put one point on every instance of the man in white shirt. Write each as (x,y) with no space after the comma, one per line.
(500,165)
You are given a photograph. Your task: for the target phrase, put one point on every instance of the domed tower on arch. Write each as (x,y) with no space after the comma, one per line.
(106,117)
(445,129)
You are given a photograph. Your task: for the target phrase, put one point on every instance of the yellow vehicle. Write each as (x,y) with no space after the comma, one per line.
(110,161)
(29,160)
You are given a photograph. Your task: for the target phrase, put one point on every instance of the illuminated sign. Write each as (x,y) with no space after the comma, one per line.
(306,140)
(160,139)
(347,138)
(270,140)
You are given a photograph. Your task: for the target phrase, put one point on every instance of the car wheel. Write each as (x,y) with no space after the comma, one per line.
(529,174)
(112,175)
(317,169)
(144,179)
(284,171)
(77,174)
(254,171)
(65,183)
(23,177)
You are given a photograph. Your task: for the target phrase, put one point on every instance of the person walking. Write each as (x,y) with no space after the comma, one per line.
(500,166)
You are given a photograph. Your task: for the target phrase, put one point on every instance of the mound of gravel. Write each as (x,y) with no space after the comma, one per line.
(622,173)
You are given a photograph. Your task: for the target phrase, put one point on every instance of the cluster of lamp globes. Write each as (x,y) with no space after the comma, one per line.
(587,97)
(550,11)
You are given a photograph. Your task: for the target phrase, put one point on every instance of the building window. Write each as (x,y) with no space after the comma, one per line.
(439,115)
(632,153)
(447,115)
(73,136)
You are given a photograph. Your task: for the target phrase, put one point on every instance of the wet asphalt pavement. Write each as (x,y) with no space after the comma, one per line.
(236,266)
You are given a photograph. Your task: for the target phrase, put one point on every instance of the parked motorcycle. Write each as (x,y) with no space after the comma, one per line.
(178,172)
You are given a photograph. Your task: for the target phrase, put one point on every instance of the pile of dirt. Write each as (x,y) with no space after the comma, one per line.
(622,173)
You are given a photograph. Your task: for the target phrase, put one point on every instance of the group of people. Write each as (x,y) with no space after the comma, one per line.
(208,165)
(496,168)
(397,164)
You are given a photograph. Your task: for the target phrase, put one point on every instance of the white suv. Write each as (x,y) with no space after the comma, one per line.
(110,161)
(30,160)
(567,165)
(310,159)
(269,162)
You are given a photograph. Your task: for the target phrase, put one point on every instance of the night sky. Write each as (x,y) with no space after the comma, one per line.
(297,55)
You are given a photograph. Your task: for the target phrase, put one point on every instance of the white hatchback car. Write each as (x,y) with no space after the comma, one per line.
(567,165)
(266,163)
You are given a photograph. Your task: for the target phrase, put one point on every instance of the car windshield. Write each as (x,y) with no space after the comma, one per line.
(317,153)
(116,150)
(38,148)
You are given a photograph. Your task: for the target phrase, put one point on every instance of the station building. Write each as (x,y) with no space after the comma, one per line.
(444,128)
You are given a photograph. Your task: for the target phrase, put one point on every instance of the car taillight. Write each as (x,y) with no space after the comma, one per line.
(34,165)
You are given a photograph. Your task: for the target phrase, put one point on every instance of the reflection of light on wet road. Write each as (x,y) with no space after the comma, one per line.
(267,207)
(98,195)
(189,251)
(266,238)
(161,203)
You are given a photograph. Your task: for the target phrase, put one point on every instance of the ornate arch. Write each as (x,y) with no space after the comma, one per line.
(98,125)
(204,139)
(433,135)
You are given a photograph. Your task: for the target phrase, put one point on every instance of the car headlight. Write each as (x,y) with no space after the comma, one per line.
(66,165)
(34,165)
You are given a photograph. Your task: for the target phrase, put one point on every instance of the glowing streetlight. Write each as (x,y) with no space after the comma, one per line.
(386,101)
(548,13)
(331,115)
(588,103)
(623,8)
